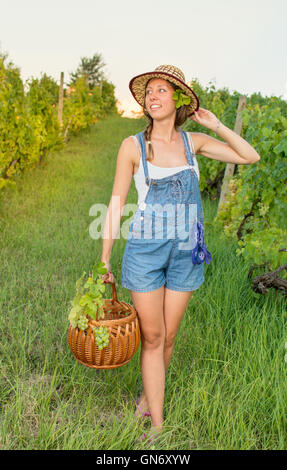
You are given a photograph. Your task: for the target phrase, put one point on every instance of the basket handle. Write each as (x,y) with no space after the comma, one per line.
(115,297)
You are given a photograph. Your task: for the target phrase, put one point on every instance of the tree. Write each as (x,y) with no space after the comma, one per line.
(92,68)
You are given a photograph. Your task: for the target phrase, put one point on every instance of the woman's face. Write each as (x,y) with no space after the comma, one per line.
(158,99)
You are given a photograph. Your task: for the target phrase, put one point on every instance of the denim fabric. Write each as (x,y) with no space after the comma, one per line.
(165,243)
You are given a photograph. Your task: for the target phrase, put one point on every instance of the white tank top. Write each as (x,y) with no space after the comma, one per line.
(157,171)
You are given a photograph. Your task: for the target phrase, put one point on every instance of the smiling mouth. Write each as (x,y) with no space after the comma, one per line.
(155,107)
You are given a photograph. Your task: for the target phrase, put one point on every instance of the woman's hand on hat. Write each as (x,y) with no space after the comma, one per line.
(205,118)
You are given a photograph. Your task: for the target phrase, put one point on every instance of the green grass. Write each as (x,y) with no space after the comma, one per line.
(226,384)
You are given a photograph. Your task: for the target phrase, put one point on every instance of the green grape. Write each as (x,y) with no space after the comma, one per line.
(101,337)
(83,322)
(74,323)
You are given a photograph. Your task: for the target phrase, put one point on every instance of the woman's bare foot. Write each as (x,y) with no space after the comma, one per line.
(143,405)
(151,436)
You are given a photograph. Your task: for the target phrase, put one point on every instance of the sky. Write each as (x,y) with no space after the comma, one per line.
(240,45)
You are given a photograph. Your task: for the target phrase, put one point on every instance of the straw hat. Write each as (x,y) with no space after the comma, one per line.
(138,84)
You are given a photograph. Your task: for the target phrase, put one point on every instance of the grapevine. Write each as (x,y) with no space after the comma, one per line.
(255,211)
(29,126)
(88,303)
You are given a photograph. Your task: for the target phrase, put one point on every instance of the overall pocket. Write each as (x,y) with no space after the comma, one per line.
(150,225)
(142,226)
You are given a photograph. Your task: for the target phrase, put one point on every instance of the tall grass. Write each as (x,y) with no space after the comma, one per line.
(226,384)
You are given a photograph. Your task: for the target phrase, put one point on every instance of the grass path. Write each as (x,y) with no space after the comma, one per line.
(226,385)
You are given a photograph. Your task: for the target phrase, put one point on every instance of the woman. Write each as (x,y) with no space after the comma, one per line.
(162,273)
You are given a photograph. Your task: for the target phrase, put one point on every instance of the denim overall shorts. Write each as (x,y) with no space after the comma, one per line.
(165,244)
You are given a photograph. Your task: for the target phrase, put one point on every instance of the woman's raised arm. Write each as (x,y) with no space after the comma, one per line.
(235,149)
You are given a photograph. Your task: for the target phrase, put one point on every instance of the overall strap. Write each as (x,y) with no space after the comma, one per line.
(190,141)
(141,138)
(187,148)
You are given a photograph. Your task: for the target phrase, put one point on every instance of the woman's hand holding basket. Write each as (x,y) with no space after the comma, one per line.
(108,277)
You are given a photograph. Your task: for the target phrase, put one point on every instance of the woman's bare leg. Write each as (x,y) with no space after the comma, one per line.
(174,307)
(149,306)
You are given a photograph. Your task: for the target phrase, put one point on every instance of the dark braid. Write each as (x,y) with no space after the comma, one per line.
(147,135)
(180,118)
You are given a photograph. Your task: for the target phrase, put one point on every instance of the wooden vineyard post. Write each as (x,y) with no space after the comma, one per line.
(60,108)
(229,169)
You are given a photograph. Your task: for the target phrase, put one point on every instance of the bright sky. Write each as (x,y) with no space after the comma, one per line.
(240,45)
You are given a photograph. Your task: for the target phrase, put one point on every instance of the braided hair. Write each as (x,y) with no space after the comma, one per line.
(180,118)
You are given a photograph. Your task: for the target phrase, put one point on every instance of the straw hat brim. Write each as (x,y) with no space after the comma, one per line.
(137,87)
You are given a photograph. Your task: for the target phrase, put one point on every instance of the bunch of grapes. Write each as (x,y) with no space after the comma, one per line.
(101,336)
(83,322)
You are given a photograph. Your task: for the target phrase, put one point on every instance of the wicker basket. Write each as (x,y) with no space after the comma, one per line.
(124,336)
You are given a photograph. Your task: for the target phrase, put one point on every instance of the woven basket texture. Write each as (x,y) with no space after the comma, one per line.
(122,321)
